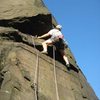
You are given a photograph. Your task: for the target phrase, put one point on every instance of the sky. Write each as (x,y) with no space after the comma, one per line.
(80,20)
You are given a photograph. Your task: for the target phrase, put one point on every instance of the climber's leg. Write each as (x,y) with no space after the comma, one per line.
(45,45)
(64,57)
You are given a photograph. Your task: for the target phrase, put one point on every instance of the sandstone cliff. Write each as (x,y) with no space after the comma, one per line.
(25,73)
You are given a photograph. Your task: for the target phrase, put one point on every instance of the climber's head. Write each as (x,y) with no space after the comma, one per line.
(59,27)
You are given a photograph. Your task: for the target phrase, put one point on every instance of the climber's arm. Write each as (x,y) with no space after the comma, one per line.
(43,36)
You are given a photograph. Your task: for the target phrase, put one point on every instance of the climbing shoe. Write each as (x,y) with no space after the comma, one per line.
(68,66)
(44,52)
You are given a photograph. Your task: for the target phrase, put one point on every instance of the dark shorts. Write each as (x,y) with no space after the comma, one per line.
(59,44)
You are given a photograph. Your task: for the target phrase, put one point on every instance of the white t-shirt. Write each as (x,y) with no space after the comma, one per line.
(55,33)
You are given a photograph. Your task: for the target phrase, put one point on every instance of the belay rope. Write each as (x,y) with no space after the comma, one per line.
(55,76)
(36,73)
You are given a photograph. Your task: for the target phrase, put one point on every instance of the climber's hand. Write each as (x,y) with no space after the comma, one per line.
(39,37)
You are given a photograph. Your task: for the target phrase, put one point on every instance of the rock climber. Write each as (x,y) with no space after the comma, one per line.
(57,39)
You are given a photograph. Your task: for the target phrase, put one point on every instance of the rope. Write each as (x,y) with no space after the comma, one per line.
(36,73)
(55,76)
(36,78)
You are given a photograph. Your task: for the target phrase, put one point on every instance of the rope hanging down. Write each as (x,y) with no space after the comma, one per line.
(55,76)
(36,72)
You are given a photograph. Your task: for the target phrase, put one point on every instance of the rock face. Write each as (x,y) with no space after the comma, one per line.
(25,73)
(28,16)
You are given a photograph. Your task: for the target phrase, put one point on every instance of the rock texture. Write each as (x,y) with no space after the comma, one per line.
(28,16)
(25,73)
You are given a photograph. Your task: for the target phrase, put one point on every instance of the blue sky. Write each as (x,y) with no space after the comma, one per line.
(81,27)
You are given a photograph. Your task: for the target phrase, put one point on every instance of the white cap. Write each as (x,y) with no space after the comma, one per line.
(59,26)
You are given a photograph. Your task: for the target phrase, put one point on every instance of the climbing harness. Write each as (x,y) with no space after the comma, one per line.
(55,76)
(36,72)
